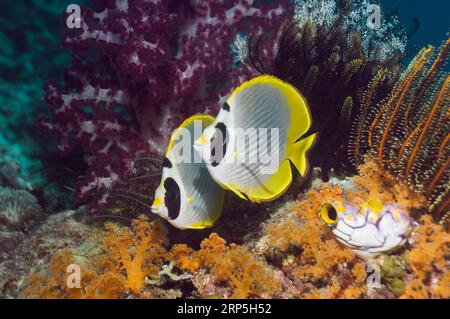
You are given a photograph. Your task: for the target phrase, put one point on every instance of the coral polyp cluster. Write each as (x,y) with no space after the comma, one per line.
(429,262)
(18,210)
(294,255)
(124,258)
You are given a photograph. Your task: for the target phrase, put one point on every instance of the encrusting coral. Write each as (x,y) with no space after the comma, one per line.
(429,261)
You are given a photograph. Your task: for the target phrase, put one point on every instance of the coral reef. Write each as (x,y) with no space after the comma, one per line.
(19,210)
(21,254)
(429,262)
(138,69)
(145,78)
(231,265)
(295,256)
(305,250)
(332,62)
(407,133)
(132,261)
(126,257)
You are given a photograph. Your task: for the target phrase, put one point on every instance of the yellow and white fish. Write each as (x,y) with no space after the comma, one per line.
(187,196)
(255,139)
(370,229)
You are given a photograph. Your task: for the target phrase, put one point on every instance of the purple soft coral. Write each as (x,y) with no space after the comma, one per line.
(140,67)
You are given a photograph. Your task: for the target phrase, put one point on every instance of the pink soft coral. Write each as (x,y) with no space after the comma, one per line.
(140,67)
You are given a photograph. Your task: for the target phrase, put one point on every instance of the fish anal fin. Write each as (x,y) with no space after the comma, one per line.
(238,193)
(201,225)
(275,186)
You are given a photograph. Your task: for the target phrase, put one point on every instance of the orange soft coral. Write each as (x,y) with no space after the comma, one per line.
(374,182)
(132,254)
(429,260)
(232,265)
(135,252)
(129,255)
(53,284)
(313,255)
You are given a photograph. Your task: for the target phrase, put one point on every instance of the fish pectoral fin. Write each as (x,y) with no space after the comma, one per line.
(297,153)
(274,186)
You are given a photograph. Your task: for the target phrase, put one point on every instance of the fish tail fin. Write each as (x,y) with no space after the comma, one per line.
(298,151)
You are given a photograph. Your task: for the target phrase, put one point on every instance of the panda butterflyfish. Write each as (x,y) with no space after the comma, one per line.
(187,196)
(257,138)
(370,229)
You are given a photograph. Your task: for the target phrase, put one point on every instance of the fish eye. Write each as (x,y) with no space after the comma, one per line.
(172,198)
(219,142)
(328,214)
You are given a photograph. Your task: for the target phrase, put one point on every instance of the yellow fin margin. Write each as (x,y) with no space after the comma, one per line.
(275,186)
(296,151)
(206,120)
(299,110)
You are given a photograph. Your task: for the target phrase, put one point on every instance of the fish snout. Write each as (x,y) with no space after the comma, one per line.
(156,205)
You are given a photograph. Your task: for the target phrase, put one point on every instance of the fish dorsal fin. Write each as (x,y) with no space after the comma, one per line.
(262,79)
(187,123)
(299,111)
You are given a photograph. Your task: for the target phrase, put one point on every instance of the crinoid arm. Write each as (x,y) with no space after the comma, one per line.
(408,133)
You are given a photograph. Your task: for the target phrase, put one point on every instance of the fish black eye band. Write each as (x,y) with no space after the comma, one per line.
(226,107)
(166,163)
(219,143)
(172,198)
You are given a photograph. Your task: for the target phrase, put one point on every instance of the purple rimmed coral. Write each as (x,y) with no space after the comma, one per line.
(140,67)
